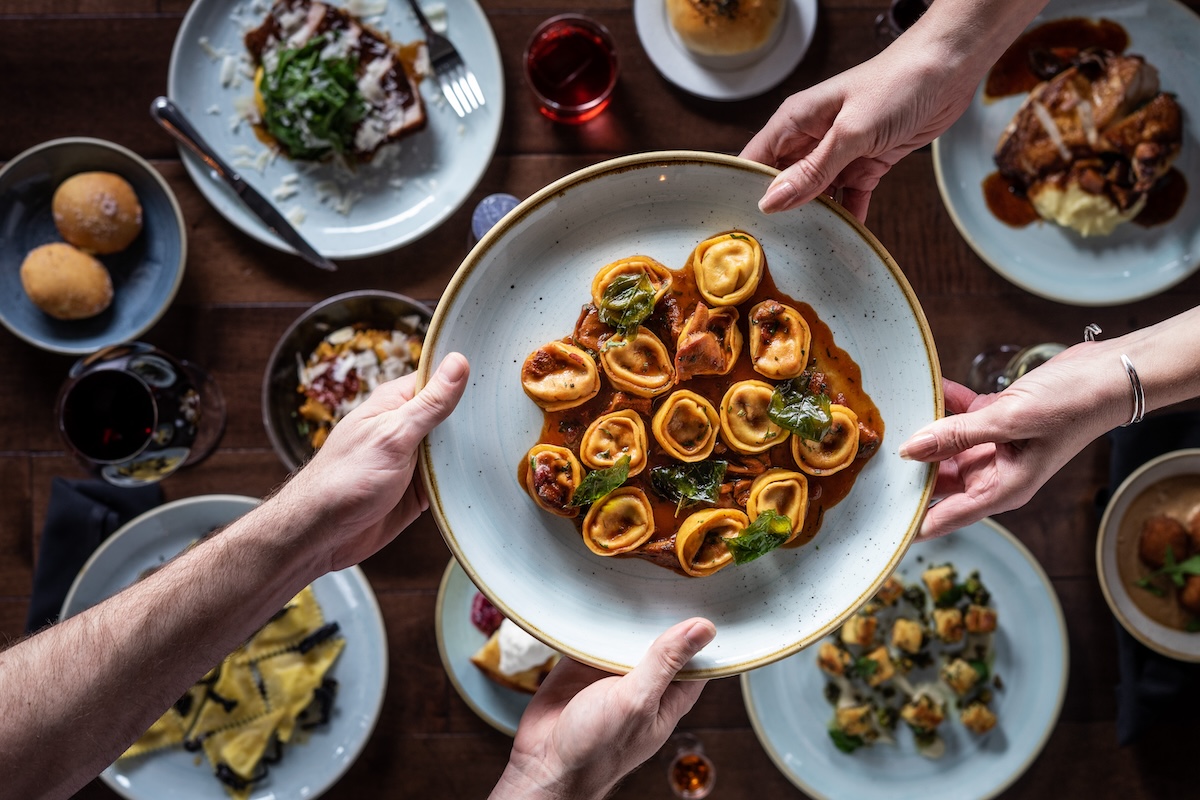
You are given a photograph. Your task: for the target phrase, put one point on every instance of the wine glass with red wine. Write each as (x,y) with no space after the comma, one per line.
(134,414)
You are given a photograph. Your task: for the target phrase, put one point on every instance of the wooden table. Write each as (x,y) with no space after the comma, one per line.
(91,67)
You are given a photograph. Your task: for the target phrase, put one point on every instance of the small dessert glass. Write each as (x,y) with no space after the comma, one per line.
(571,66)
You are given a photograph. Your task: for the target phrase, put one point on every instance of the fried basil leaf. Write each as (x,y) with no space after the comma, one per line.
(627,301)
(689,483)
(795,408)
(763,535)
(600,482)
(312,104)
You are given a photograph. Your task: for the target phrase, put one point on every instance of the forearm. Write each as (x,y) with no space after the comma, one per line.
(970,35)
(1166,357)
(74,696)
(535,782)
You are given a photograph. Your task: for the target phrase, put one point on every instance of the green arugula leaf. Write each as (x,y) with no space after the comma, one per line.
(1175,570)
(805,414)
(627,301)
(600,482)
(844,741)
(689,483)
(1145,583)
(312,104)
(762,536)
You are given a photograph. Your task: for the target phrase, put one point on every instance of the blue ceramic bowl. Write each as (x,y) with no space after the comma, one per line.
(145,275)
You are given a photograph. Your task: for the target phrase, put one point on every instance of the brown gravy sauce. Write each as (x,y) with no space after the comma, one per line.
(843,376)
(1176,497)
(1064,38)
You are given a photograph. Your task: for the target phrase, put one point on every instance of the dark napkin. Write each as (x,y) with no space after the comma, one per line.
(1152,687)
(82,514)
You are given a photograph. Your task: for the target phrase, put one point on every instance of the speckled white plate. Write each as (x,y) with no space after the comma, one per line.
(523,285)
(670,57)
(308,768)
(407,191)
(1052,261)
(1170,642)
(787,706)
(458,639)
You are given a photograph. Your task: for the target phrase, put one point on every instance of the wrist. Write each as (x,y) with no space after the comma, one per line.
(529,779)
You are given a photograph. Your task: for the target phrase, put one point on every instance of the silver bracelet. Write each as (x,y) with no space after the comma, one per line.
(1139,394)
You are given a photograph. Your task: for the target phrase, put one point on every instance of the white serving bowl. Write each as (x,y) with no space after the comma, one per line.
(523,285)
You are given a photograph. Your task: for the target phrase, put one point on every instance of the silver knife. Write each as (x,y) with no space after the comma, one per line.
(168,115)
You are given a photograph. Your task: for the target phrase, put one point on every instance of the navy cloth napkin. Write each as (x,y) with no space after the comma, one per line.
(1152,687)
(82,514)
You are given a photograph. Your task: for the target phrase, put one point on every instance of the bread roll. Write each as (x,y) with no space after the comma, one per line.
(98,212)
(731,33)
(65,282)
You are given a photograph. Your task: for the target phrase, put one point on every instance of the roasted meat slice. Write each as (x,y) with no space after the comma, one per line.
(1063,118)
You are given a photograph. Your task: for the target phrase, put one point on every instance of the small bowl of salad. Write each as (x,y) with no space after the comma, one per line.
(329,360)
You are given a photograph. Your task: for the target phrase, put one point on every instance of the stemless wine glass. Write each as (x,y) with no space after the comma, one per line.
(996,369)
(135,414)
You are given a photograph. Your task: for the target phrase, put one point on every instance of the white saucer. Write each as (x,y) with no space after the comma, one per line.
(671,58)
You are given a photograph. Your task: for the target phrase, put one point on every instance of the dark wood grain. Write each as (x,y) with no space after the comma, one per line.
(91,67)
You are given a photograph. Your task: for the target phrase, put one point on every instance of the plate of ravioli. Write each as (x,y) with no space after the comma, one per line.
(287,713)
(613,450)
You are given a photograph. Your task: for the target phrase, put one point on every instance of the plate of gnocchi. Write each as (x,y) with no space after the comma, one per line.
(598,479)
(947,684)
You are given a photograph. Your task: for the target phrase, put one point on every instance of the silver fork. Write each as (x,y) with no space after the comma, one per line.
(457,81)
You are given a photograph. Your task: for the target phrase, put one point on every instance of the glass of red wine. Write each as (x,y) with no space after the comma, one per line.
(571,66)
(134,414)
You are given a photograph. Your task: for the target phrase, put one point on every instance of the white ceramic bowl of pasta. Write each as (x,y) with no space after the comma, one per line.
(523,285)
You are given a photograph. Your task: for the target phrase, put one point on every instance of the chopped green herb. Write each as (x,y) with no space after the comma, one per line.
(739,236)
(795,408)
(981,668)
(864,667)
(762,536)
(312,105)
(689,483)
(627,301)
(950,597)
(600,482)
(844,741)
(975,590)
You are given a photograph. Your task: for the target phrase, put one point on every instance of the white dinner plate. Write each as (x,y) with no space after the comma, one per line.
(1055,262)
(308,768)
(523,285)
(410,187)
(669,56)
(458,639)
(790,714)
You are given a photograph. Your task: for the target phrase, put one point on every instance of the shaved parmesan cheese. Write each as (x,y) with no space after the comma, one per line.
(366,8)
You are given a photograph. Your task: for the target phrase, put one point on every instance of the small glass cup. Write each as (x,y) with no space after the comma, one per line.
(899,17)
(996,369)
(135,414)
(571,66)
(691,774)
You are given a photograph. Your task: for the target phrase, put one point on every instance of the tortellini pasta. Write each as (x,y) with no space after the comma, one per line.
(659,276)
(616,434)
(779,340)
(700,541)
(646,467)
(552,474)
(728,268)
(782,491)
(560,375)
(745,426)
(837,448)
(685,426)
(641,365)
(709,343)
(618,523)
